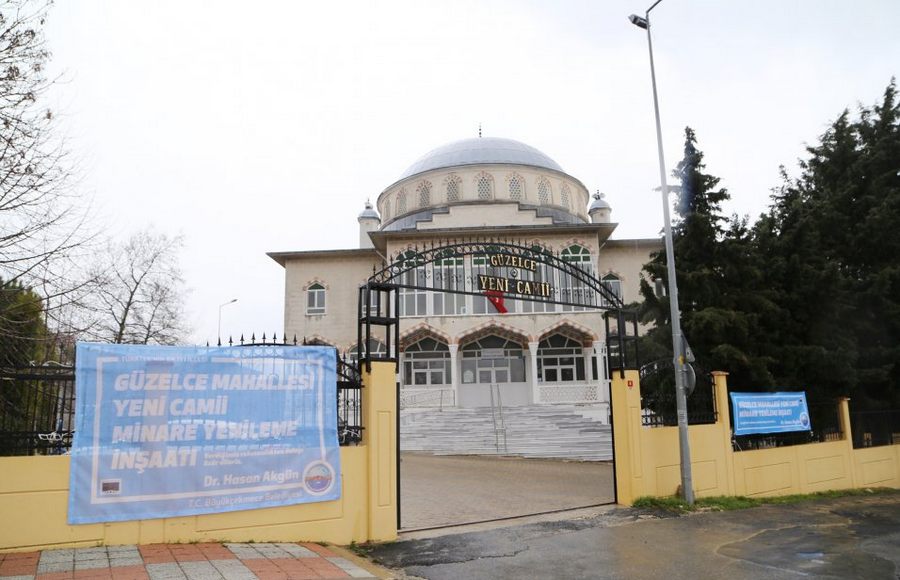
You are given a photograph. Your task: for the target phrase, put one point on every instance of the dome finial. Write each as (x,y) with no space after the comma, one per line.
(479,130)
(368,203)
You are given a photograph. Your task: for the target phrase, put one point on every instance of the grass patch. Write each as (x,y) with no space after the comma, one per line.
(676,505)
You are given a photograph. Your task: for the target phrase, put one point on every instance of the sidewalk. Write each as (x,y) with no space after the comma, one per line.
(211,561)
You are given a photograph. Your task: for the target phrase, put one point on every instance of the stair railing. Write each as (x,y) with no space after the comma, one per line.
(497,418)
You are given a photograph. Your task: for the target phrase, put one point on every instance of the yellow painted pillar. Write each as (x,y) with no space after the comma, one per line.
(847,432)
(380,438)
(723,408)
(625,392)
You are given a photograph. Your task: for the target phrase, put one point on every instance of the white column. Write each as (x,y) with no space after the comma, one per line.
(588,353)
(454,373)
(532,358)
(602,378)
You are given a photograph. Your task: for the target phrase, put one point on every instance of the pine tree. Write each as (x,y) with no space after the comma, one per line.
(717,280)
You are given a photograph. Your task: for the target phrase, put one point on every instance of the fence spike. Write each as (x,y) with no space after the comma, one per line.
(219,342)
(253,337)
(242,339)
(230,342)
(207,344)
(295,339)
(264,337)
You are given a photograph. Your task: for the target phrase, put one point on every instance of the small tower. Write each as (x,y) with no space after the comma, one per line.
(368,222)
(599,210)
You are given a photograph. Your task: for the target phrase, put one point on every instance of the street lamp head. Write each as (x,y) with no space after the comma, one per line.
(639,21)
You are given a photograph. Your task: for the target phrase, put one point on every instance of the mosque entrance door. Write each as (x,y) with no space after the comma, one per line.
(489,454)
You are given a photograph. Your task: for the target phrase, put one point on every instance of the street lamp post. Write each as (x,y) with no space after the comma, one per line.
(221,306)
(687,487)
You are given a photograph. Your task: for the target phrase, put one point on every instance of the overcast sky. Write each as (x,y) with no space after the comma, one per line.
(263,126)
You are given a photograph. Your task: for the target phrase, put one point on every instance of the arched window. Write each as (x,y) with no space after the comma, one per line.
(387,209)
(516,191)
(560,359)
(573,289)
(401,202)
(315,299)
(493,360)
(484,185)
(424,193)
(377,349)
(426,363)
(453,185)
(564,196)
(545,196)
(613,283)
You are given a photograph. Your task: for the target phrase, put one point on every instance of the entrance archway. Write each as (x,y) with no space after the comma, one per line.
(500,277)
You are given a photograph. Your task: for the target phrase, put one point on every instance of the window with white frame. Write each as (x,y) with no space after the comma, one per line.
(573,289)
(377,349)
(560,359)
(493,360)
(449,274)
(484,186)
(413,301)
(543,273)
(480,304)
(613,283)
(426,363)
(315,299)
(544,194)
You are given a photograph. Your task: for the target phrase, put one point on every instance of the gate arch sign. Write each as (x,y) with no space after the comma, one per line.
(492,268)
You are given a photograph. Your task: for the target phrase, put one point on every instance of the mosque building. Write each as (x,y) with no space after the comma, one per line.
(456,349)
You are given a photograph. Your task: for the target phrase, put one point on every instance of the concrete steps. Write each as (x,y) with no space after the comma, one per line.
(557,431)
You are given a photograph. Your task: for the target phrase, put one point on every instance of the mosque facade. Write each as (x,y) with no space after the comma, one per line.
(460,350)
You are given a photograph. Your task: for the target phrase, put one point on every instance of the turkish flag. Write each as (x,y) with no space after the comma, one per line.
(495,297)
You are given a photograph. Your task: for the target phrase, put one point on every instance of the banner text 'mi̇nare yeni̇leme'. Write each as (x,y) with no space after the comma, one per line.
(166,431)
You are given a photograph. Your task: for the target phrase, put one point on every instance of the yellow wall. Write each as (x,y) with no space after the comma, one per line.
(648,462)
(34,497)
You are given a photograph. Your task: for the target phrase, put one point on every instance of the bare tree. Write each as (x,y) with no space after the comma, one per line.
(139,292)
(42,219)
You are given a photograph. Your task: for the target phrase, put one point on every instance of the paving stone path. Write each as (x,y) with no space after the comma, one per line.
(209,561)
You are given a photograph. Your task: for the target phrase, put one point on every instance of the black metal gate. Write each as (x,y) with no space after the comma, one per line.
(505,268)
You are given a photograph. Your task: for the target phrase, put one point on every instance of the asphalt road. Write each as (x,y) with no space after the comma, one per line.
(855,537)
(445,490)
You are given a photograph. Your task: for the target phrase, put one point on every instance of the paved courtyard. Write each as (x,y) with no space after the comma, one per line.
(211,561)
(449,490)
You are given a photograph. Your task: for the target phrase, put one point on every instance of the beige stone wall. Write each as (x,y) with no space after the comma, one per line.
(342,276)
(468,175)
(625,259)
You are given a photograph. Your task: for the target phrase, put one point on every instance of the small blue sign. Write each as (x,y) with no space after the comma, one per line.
(770,412)
(174,431)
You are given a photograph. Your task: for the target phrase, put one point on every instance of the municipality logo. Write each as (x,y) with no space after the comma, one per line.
(318,477)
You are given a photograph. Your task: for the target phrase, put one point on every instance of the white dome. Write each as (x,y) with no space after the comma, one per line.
(481,150)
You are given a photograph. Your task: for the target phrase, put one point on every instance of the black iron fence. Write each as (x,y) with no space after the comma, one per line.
(825,426)
(658,406)
(36,410)
(875,428)
(37,407)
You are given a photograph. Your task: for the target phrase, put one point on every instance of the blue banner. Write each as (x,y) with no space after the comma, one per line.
(174,431)
(769,412)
